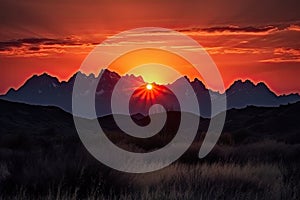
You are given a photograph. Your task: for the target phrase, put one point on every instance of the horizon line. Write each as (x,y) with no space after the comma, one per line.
(255,83)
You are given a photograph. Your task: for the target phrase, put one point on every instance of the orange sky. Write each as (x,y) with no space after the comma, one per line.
(247,39)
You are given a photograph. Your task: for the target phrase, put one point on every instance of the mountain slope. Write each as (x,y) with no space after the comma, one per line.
(47,90)
(251,124)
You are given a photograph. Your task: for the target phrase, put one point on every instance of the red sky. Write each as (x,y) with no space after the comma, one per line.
(250,39)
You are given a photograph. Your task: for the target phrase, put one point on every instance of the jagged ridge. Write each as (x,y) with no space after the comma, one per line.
(48,90)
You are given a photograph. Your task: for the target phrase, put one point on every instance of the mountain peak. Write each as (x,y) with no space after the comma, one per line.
(47,90)
(243,82)
(11,90)
(198,82)
(44,75)
(133,77)
(42,78)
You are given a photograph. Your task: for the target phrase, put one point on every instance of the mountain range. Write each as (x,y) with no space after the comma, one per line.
(47,90)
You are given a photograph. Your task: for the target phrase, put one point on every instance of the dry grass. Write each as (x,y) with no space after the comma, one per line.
(183,181)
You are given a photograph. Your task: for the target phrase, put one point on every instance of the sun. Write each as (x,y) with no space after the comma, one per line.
(149,86)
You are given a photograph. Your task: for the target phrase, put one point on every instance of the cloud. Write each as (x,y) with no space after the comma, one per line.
(252,41)
(294,28)
(236,50)
(8,45)
(34,48)
(26,47)
(284,55)
(287,51)
(280,60)
(237,30)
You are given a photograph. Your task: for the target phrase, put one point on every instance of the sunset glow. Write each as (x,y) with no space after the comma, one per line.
(261,47)
(151,71)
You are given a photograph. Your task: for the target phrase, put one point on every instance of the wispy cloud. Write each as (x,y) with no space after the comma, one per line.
(7,45)
(280,60)
(251,41)
(284,55)
(237,30)
(28,47)
(294,28)
(236,50)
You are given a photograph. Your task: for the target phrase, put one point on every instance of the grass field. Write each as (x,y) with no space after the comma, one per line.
(44,159)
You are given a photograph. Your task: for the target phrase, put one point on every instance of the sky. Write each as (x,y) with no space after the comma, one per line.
(249,39)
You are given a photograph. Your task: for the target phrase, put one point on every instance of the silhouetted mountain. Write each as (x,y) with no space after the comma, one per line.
(241,94)
(47,90)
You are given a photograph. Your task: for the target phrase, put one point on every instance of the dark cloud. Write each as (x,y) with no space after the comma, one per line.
(249,29)
(34,48)
(34,43)
(9,44)
(234,29)
(37,40)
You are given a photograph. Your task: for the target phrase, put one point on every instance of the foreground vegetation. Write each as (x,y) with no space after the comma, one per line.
(64,170)
(43,158)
